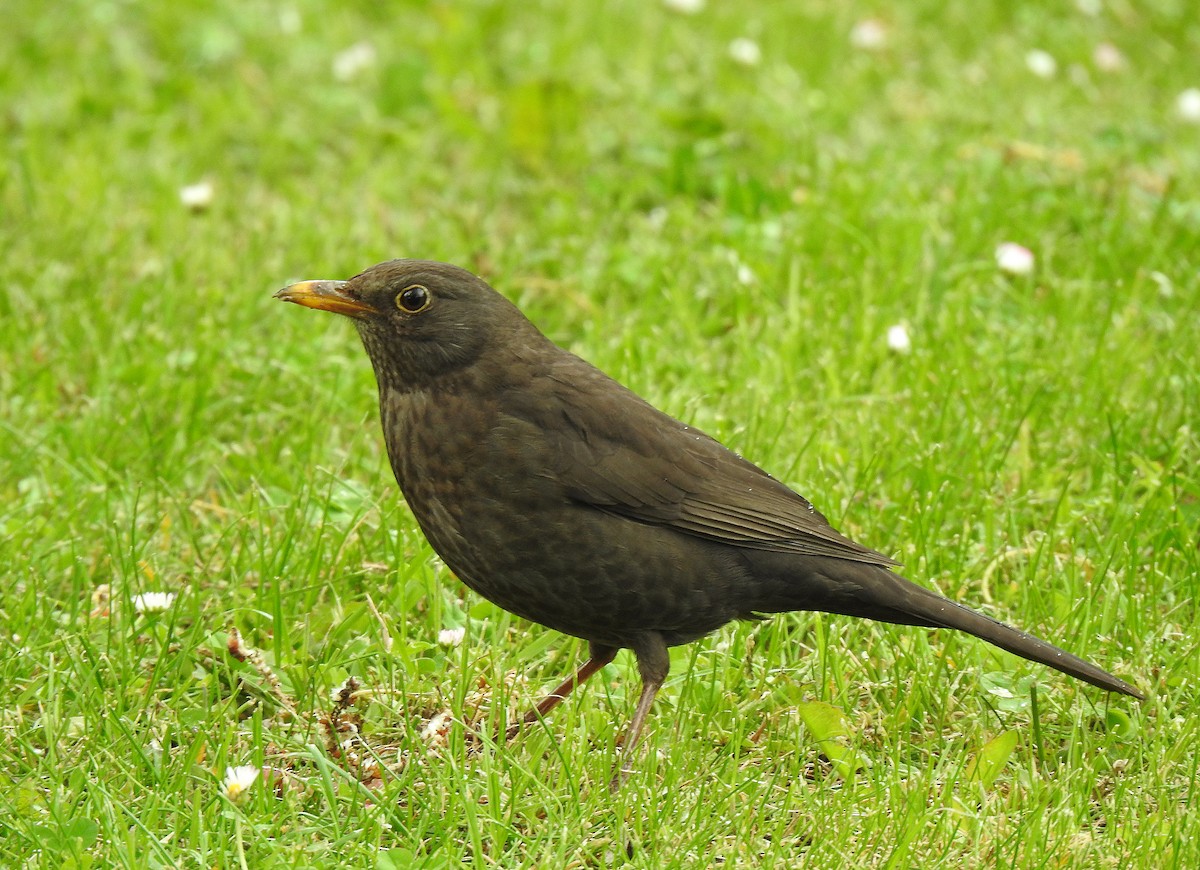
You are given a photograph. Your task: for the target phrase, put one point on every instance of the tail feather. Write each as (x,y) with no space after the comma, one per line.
(948,614)
(886,596)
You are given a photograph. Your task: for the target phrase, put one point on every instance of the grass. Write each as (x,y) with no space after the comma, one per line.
(732,242)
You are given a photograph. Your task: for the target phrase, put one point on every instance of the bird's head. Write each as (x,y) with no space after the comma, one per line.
(418,319)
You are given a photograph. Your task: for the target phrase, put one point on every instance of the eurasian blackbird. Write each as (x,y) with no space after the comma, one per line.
(563,497)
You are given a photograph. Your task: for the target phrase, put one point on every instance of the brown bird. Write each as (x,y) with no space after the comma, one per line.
(558,494)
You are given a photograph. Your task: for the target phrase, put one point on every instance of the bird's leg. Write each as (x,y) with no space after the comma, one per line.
(600,656)
(653,663)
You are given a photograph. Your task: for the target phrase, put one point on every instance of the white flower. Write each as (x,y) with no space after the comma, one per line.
(451,636)
(153,602)
(289,20)
(1014,259)
(238,779)
(1107,57)
(745,51)
(869,34)
(1188,105)
(1089,7)
(353,60)
(898,340)
(198,196)
(687,7)
(1041,63)
(435,730)
(745,275)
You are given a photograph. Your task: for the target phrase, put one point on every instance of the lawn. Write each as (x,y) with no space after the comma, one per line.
(729,208)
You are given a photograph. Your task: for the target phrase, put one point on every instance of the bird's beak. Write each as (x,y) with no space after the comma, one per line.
(327,296)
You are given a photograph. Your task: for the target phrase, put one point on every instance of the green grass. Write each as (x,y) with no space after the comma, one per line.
(731,242)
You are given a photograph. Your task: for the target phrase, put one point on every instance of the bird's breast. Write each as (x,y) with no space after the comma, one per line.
(467,478)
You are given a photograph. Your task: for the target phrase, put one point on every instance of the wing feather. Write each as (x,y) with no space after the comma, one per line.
(621,455)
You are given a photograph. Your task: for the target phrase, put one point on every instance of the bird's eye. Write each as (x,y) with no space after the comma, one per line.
(414,299)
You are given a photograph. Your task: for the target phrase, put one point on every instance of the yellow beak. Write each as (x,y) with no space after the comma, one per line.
(326,296)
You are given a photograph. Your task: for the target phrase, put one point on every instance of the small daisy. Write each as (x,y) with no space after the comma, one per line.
(290,21)
(745,51)
(870,34)
(1041,63)
(435,730)
(238,780)
(1187,105)
(153,602)
(198,196)
(898,340)
(353,60)
(1014,259)
(1107,57)
(451,636)
(687,7)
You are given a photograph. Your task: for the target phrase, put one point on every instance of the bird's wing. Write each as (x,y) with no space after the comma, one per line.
(610,449)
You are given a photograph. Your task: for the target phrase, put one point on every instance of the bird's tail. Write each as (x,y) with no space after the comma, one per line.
(877,593)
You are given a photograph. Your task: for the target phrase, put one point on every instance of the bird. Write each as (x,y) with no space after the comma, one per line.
(565,498)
